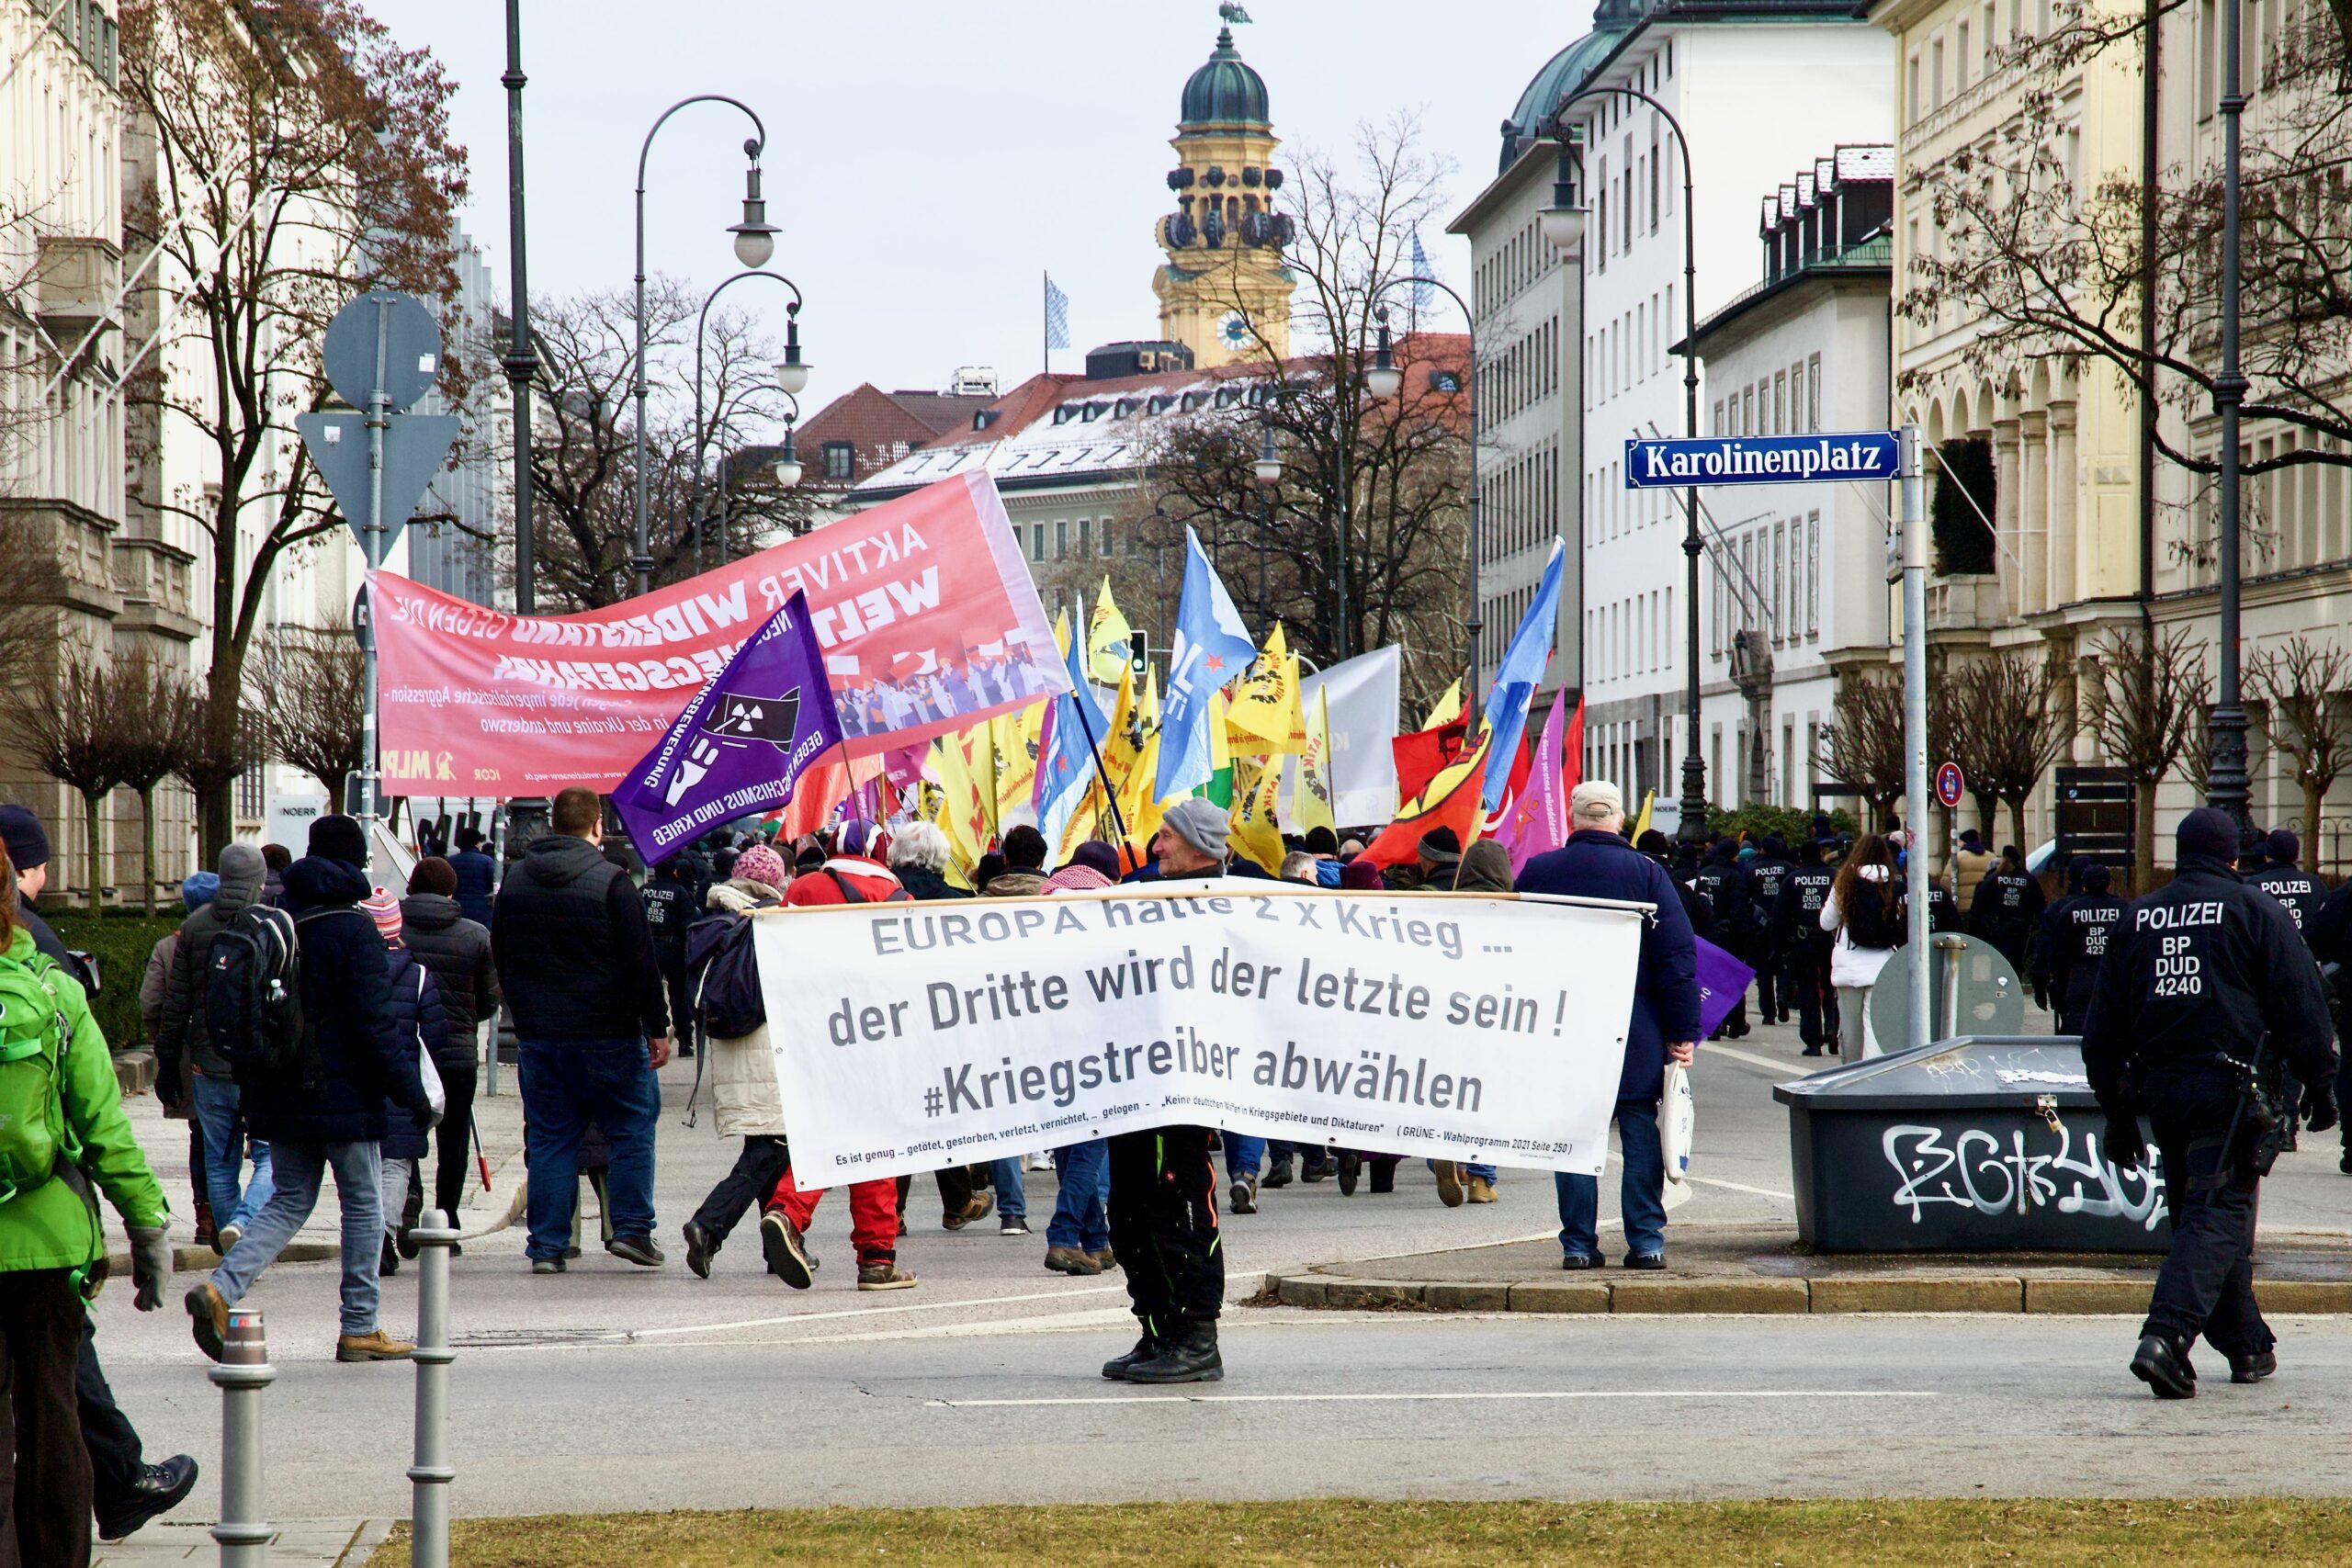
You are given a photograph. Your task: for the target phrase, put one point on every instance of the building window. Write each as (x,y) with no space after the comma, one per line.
(1085,536)
(1061,538)
(1812,574)
(1036,541)
(1796,398)
(1813,393)
(840,459)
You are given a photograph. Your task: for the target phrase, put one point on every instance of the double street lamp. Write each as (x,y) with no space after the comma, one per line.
(754,244)
(1385,381)
(791,379)
(2225,778)
(1564,224)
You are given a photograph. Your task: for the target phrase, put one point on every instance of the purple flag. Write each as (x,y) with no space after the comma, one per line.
(1538,820)
(741,745)
(1723,981)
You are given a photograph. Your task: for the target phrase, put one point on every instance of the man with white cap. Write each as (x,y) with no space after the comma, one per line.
(1163,1188)
(1597,862)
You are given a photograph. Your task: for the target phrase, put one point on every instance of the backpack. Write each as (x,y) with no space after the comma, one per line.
(253,992)
(850,894)
(725,976)
(34,1143)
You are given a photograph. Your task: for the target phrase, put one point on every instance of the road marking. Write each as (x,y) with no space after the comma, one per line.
(1739,1187)
(1429,1398)
(1751,1059)
(863,1312)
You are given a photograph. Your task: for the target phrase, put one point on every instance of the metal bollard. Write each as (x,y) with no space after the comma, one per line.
(243,1371)
(431,1472)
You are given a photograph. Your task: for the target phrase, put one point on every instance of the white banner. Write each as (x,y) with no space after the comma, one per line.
(911,1036)
(1365,695)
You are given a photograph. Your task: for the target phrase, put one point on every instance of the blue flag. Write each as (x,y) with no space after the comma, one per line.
(742,746)
(1074,727)
(1212,647)
(1517,677)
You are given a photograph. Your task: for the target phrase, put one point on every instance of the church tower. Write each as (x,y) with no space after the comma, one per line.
(1224,286)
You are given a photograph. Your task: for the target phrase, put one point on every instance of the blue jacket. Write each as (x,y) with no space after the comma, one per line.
(423,1024)
(1594,864)
(347,1005)
(477,878)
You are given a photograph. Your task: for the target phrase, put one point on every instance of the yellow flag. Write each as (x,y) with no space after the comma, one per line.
(1263,717)
(960,815)
(1642,823)
(1020,736)
(1220,785)
(1255,833)
(1448,709)
(1108,648)
(1137,806)
(1314,799)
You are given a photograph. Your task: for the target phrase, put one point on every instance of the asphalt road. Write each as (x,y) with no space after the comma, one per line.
(615,1387)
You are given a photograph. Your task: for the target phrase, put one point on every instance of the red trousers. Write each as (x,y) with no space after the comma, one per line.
(873,1213)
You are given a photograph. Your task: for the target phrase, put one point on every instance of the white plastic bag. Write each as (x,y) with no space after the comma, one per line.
(1678,1119)
(434,1095)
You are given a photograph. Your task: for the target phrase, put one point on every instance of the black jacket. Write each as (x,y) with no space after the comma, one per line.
(2201,969)
(2298,889)
(477,880)
(1724,885)
(1802,893)
(2072,942)
(672,904)
(347,1010)
(1767,882)
(575,956)
(926,887)
(457,952)
(1594,864)
(424,1025)
(2008,906)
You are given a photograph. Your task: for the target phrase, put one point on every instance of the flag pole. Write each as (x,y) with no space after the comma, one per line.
(1101,774)
(1046,319)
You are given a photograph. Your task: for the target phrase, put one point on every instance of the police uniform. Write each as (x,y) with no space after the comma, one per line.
(2201,975)
(1767,874)
(672,899)
(2008,906)
(1722,883)
(2074,936)
(2298,889)
(1805,961)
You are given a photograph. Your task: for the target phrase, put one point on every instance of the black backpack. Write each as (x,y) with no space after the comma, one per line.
(253,992)
(724,977)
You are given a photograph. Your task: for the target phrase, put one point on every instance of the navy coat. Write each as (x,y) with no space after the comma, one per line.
(423,1024)
(1594,864)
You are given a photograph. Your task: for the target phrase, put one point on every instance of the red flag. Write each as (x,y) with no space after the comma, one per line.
(1572,753)
(1449,800)
(1423,754)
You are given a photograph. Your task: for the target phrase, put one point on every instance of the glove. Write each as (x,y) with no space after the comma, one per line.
(150,1265)
(2319,1107)
(2126,1149)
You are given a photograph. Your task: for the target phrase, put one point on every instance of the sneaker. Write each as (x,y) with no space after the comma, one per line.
(1449,1184)
(700,1249)
(1105,1260)
(884,1277)
(1576,1262)
(1315,1170)
(376,1346)
(1014,1224)
(637,1249)
(1245,1196)
(156,1489)
(1277,1175)
(1350,1171)
(1649,1262)
(208,1313)
(976,1207)
(1071,1260)
(787,1254)
(229,1235)
(1479,1190)
(548,1265)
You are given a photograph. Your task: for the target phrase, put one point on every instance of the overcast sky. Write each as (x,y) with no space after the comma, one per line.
(927,159)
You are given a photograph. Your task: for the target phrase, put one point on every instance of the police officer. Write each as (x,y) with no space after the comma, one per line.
(1806,959)
(2329,932)
(2205,981)
(2289,883)
(1767,874)
(2075,935)
(673,899)
(1722,883)
(2006,907)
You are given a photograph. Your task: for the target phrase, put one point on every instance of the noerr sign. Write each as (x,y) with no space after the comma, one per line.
(1763,460)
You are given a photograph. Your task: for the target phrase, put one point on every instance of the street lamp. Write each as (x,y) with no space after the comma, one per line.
(786,469)
(1386,381)
(791,377)
(520,359)
(754,242)
(2225,779)
(1564,224)
(1268,471)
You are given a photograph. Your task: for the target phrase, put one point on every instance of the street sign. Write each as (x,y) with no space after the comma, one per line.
(1762,459)
(408,336)
(415,445)
(1949,784)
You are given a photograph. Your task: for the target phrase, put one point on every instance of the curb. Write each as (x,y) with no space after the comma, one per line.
(192,1259)
(1954,1293)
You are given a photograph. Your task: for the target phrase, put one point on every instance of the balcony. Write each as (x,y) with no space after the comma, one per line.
(79,280)
(1965,603)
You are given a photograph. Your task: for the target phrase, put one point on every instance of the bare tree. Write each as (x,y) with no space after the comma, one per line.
(144,698)
(2300,681)
(2016,726)
(63,718)
(214,741)
(2146,689)
(314,696)
(1861,743)
(299,155)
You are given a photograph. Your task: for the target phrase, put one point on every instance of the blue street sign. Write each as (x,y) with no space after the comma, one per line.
(1763,460)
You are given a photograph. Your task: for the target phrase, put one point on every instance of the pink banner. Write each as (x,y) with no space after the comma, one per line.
(922,606)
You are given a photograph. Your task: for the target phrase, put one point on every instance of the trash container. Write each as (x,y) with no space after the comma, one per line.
(1978,1144)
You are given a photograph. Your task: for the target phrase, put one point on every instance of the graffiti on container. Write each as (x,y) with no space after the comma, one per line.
(1977,1169)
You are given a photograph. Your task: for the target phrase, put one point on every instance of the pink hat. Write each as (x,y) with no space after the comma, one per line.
(1076,879)
(384,910)
(764,866)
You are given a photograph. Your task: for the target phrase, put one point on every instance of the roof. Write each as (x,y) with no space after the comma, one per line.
(1225,92)
(1562,74)
(882,427)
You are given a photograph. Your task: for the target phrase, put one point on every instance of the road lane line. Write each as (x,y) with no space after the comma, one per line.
(863,1312)
(1753,1060)
(1741,1187)
(1430,1398)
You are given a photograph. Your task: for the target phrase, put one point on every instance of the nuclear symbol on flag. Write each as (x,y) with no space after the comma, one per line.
(741,717)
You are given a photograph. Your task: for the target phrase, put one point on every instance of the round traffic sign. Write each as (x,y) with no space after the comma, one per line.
(382,328)
(1949,784)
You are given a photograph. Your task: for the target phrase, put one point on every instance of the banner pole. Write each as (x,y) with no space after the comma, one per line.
(1110,794)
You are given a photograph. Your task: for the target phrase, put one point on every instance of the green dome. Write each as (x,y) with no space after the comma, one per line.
(1224,92)
(1566,72)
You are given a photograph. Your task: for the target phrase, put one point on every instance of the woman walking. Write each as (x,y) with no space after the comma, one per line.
(1860,911)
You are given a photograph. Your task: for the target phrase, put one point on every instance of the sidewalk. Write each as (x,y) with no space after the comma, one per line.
(1759,1269)
(305,1543)
(165,1142)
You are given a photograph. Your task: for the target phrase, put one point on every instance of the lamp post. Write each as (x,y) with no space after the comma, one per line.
(1386,381)
(791,379)
(784,469)
(1268,471)
(754,242)
(1564,224)
(520,359)
(2225,779)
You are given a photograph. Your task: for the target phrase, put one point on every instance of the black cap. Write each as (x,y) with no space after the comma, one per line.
(339,838)
(27,839)
(2095,877)
(2284,847)
(1322,841)
(2208,830)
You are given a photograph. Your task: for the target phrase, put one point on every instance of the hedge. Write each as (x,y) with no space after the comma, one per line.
(120,940)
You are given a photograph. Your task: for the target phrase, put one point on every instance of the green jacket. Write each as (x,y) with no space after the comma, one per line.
(50,1226)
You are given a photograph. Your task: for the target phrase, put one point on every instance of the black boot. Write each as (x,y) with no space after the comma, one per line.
(1384,1175)
(2254,1367)
(1351,1168)
(1189,1357)
(2160,1363)
(157,1489)
(1117,1368)
(1277,1174)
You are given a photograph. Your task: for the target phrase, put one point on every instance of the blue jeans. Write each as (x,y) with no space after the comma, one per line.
(1083,1172)
(1244,1156)
(219,1113)
(299,1173)
(1011,1202)
(565,1084)
(1641,1196)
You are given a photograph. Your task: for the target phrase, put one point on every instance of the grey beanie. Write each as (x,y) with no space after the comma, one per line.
(243,868)
(1203,824)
